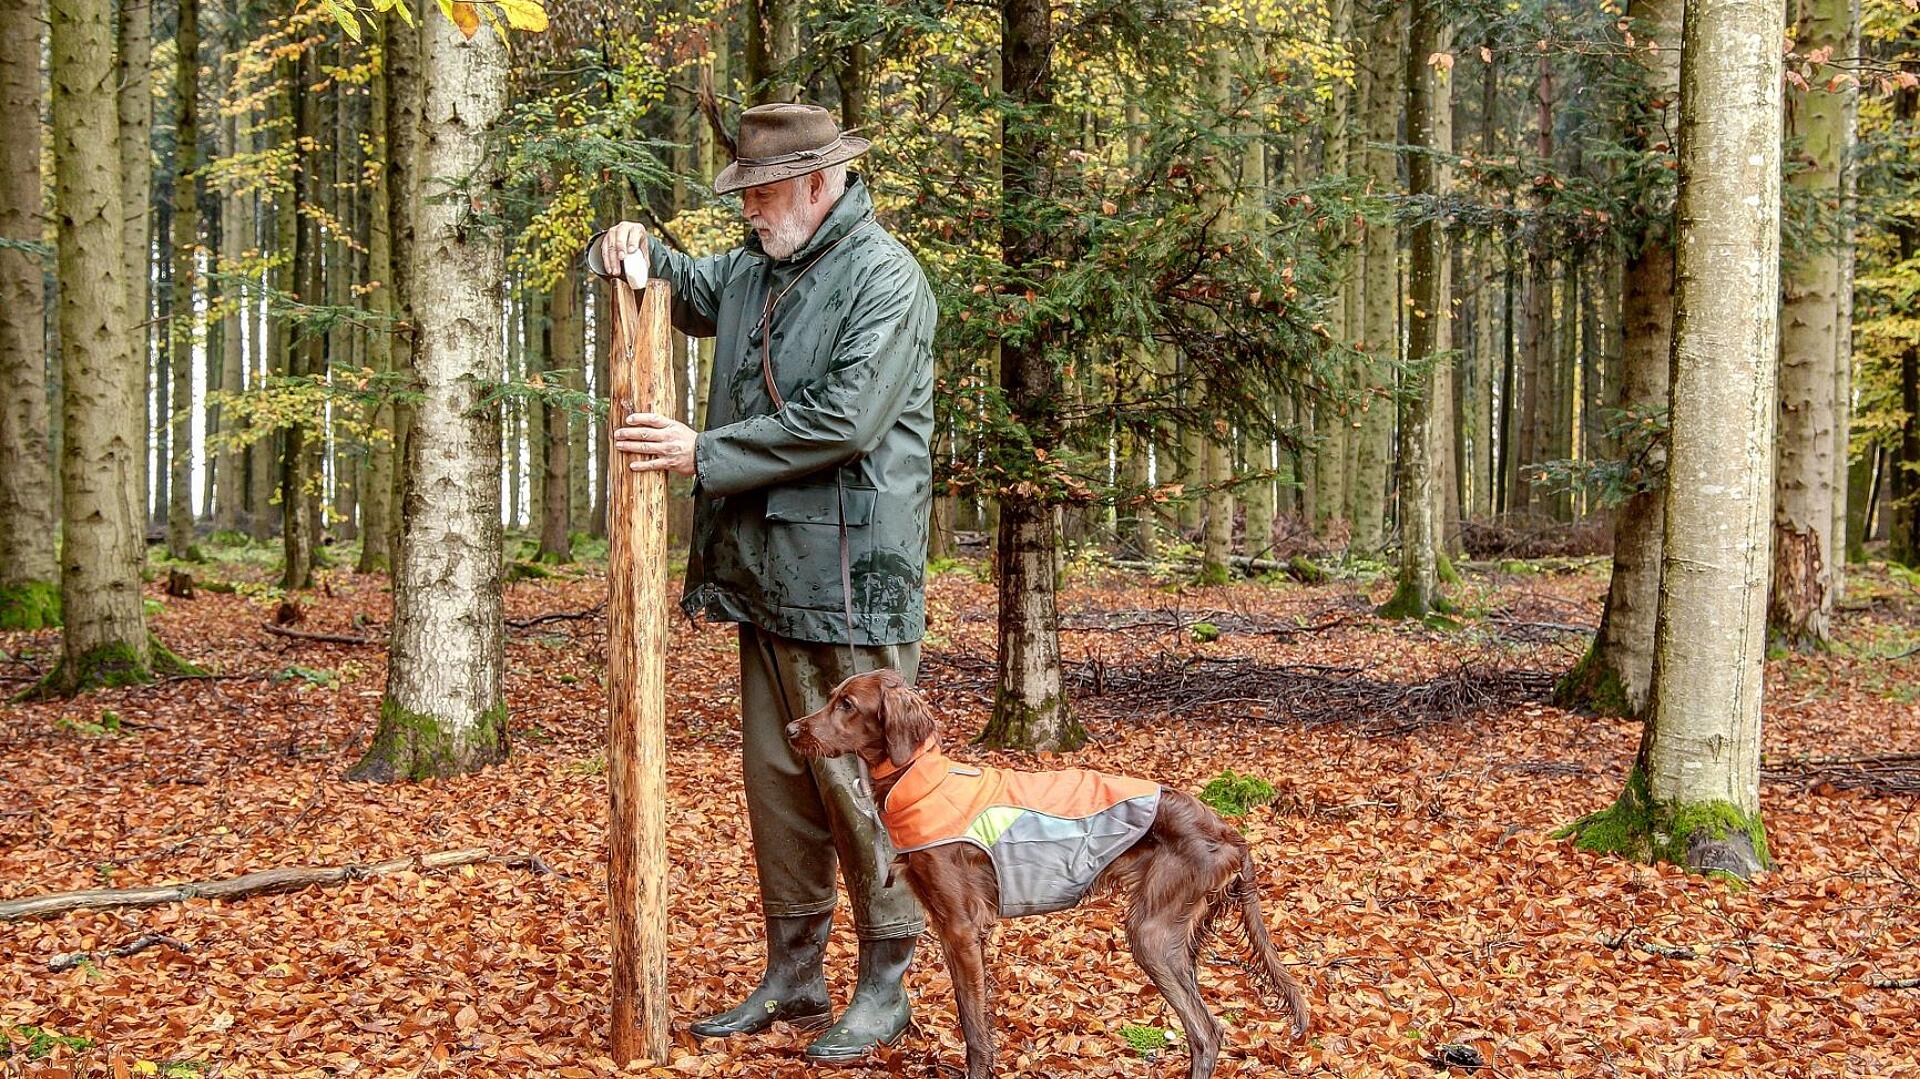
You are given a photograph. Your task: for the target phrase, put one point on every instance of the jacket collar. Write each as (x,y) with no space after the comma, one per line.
(919,776)
(855,208)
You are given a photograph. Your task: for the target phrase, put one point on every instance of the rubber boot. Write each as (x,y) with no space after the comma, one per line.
(878,1014)
(794,988)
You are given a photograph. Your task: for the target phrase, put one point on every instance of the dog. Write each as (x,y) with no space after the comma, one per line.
(1179,864)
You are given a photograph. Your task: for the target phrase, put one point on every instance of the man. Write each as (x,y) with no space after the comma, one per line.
(812,488)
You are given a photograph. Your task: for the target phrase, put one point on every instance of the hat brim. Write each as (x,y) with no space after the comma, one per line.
(738,177)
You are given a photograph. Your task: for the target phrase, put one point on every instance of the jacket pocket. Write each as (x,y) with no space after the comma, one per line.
(803,555)
(820,504)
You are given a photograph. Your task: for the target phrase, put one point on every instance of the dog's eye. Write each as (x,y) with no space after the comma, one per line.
(843,705)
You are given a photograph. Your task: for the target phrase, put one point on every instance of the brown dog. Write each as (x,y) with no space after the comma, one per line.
(1178,863)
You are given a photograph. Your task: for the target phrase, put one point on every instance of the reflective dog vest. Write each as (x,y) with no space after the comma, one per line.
(1048,834)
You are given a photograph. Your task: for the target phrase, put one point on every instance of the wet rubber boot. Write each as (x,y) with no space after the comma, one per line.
(794,988)
(878,1014)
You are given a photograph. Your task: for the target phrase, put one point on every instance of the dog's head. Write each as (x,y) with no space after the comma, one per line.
(877,715)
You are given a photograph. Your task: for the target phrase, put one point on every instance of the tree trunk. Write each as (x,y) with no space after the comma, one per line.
(1616,674)
(1693,796)
(1803,498)
(444,710)
(773,44)
(105,640)
(1903,461)
(1215,440)
(236,234)
(181,328)
(1535,419)
(1030,708)
(1416,593)
(29,576)
(1331,423)
(134,109)
(340,183)
(554,516)
(402,62)
(298,278)
(569,359)
(376,494)
(1380,333)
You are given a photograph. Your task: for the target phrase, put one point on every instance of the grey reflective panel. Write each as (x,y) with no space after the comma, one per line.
(1047,863)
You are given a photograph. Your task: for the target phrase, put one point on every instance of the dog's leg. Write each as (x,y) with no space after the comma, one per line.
(1170,905)
(965,942)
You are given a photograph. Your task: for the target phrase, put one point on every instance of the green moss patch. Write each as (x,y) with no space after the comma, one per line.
(1234,795)
(31,605)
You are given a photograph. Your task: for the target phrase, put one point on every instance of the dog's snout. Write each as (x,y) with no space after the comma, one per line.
(793,730)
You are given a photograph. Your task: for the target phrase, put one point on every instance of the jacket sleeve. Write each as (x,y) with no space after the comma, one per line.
(695,281)
(881,356)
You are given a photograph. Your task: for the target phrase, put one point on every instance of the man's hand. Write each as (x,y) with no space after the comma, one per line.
(619,241)
(662,443)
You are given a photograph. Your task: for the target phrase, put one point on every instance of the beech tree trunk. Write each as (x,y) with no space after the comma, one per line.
(1804,488)
(134,116)
(1380,333)
(105,638)
(29,579)
(444,711)
(1030,707)
(1416,593)
(1615,675)
(1693,796)
(180,329)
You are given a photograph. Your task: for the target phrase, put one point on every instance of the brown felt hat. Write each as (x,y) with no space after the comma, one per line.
(779,142)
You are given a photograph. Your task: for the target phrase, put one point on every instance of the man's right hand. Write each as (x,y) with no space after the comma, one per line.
(619,241)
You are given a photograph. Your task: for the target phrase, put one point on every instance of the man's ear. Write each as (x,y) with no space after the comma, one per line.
(905,721)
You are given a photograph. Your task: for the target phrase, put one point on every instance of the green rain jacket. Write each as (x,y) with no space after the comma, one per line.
(853,358)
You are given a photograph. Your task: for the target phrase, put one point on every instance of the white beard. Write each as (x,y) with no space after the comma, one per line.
(785,236)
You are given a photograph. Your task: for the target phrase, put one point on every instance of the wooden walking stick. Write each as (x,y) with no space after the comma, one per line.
(636,685)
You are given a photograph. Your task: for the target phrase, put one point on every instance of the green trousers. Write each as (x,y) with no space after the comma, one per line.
(808,815)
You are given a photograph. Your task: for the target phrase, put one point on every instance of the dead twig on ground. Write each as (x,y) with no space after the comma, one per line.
(324,638)
(562,616)
(69,960)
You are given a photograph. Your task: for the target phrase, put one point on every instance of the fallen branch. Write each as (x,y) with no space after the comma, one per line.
(302,635)
(69,960)
(1894,983)
(563,616)
(1888,773)
(266,880)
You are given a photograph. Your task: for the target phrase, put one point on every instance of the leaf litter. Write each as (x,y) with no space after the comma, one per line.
(1408,865)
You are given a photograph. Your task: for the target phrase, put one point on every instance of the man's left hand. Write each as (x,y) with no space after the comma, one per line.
(659,443)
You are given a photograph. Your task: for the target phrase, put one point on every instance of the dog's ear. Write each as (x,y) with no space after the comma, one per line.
(905,721)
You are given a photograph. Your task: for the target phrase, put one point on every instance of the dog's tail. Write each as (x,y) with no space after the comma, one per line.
(1244,891)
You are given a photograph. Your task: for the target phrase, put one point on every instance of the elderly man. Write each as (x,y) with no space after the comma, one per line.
(812,487)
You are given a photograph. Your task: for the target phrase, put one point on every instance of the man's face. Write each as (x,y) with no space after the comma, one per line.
(779,213)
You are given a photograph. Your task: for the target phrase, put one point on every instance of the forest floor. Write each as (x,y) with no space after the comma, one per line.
(1408,862)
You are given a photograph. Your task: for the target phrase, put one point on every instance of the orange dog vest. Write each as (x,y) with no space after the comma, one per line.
(1049,834)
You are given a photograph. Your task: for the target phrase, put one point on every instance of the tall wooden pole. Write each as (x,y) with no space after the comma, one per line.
(636,688)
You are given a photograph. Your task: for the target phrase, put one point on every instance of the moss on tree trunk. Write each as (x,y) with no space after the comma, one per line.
(410,745)
(108,666)
(30,605)
(1705,837)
